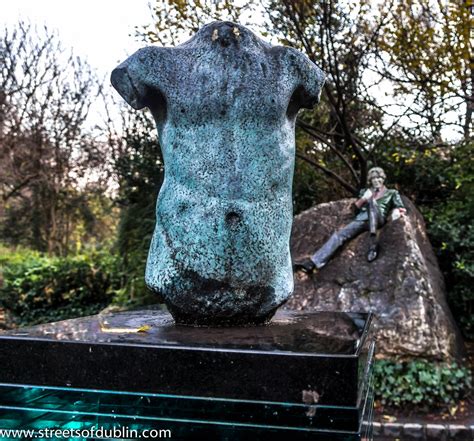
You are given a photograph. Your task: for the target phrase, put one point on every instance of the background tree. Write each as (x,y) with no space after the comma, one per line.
(137,167)
(51,165)
(426,54)
(366,54)
(338,137)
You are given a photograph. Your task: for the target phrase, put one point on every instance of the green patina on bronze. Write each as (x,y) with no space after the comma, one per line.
(225,104)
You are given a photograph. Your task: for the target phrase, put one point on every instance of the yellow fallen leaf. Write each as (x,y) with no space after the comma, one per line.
(389,418)
(143,328)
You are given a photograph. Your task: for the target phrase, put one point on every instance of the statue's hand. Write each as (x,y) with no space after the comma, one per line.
(397,213)
(367,195)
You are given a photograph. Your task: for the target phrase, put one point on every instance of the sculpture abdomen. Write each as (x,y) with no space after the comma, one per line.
(224,216)
(225,104)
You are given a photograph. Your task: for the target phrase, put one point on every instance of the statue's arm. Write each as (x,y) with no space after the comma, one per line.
(364,195)
(139,78)
(308,79)
(397,201)
(398,206)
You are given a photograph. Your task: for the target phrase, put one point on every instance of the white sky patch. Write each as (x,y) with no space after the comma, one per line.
(100,31)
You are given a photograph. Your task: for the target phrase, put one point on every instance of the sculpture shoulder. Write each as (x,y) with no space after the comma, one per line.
(147,67)
(308,77)
(146,61)
(300,64)
(396,199)
(152,54)
(392,193)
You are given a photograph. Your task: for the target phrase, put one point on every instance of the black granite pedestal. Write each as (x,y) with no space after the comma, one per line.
(304,376)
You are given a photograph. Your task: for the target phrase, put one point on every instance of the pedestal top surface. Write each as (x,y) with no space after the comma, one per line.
(311,333)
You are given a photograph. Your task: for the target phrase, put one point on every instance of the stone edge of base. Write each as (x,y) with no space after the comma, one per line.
(439,432)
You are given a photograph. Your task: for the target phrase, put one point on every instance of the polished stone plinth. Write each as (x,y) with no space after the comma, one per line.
(309,373)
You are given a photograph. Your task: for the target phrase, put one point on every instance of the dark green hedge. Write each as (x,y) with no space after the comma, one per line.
(38,289)
(440,181)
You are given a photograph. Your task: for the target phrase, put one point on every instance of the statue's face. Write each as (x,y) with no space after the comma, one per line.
(377,181)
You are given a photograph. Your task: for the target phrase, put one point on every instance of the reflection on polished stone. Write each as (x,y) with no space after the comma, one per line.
(313,358)
(187,418)
(317,332)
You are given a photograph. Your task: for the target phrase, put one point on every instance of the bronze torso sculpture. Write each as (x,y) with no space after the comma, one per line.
(225,104)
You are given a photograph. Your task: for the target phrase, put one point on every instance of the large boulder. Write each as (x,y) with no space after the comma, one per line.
(404,287)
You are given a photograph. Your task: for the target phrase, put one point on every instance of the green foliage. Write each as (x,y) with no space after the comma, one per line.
(429,56)
(38,289)
(53,168)
(310,188)
(420,383)
(84,217)
(418,169)
(134,238)
(452,234)
(17,255)
(440,181)
(305,188)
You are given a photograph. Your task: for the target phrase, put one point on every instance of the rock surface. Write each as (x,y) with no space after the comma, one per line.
(225,104)
(403,287)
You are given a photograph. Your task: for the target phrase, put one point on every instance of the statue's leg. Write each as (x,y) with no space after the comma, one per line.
(376,220)
(322,256)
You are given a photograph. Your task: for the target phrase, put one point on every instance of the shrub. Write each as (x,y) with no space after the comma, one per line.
(134,236)
(420,383)
(440,180)
(452,233)
(38,289)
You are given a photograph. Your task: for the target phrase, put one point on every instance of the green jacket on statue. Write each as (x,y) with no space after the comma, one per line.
(389,200)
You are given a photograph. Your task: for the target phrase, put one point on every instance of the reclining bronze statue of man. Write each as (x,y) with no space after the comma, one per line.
(373,207)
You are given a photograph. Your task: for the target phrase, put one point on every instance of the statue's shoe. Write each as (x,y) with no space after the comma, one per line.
(306,265)
(373,252)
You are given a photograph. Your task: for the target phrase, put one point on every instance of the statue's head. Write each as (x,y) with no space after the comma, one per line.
(376,177)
